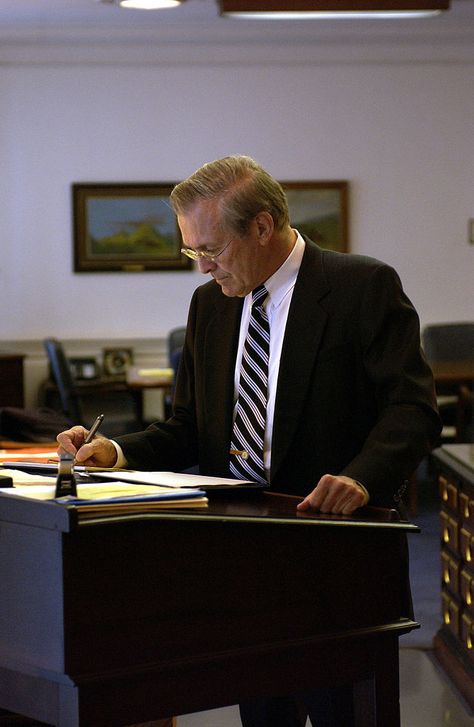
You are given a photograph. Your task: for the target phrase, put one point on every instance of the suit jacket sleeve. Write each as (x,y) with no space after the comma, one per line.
(406,425)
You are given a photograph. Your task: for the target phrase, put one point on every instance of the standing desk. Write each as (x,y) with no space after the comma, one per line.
(124,620)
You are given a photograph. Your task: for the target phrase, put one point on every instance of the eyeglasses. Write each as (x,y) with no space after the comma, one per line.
(206,254)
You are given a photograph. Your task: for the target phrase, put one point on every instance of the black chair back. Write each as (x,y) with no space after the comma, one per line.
(448,341)
(61,373)
(175,346)
(176,340)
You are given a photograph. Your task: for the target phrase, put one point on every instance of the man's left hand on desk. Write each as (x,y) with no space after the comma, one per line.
(339,495)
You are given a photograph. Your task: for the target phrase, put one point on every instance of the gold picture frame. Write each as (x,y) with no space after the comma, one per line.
(126,228)
(320,210)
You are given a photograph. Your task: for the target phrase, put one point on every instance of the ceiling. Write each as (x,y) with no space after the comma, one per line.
(198,21)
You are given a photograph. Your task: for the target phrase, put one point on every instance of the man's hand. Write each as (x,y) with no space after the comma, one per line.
(338,495)
(98,453)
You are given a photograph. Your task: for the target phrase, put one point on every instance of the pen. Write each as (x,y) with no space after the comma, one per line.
(93,429)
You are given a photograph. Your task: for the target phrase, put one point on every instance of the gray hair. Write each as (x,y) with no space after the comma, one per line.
(241,186)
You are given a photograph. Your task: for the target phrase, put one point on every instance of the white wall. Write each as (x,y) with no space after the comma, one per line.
(400,133)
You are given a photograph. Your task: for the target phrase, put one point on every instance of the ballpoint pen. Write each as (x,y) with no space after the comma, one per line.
(93,429)
(91,433)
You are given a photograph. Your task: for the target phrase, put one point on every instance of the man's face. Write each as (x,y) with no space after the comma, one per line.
(236,269)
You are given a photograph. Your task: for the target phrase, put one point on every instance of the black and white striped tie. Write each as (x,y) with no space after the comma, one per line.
(246,447)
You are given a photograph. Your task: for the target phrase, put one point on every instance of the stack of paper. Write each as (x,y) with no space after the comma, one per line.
(176,480)
(114,498)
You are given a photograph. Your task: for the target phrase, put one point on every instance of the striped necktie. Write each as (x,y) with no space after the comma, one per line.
(246,447)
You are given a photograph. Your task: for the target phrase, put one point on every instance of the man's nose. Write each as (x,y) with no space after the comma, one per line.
(205,265)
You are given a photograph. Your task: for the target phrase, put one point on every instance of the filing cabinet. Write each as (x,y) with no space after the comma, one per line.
(454,642)
(11,379)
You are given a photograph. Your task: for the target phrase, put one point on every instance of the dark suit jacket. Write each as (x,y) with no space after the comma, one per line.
(354,396)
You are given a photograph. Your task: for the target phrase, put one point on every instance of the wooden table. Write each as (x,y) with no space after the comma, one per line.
(450,375)
(126,620)
(140,378)
(113,394)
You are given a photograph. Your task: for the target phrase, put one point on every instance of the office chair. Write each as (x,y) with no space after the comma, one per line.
(175,347)
(448,341)
(175,344)
(119,406)
(64,381)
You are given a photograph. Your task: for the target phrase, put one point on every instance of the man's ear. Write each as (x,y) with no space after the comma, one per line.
(265,227)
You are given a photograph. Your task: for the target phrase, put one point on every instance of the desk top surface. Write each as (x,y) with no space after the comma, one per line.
(141,377)
(233,506)
(453,370)
(460,457)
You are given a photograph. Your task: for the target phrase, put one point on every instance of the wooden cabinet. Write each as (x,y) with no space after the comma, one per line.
(11,379)
(454,642)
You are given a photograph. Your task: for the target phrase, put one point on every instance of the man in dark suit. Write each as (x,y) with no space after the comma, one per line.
(350,408)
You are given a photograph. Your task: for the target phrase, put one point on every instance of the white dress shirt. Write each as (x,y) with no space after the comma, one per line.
(280,288)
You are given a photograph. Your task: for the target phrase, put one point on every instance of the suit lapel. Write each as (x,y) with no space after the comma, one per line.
(304,330)
(222,336)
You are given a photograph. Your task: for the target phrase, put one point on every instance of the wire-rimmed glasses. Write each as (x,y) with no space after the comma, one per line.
(206,254)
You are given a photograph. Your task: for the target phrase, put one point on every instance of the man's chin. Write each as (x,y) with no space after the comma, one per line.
(224,286)
(229,289)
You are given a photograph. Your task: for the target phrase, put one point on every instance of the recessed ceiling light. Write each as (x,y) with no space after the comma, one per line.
(149,4)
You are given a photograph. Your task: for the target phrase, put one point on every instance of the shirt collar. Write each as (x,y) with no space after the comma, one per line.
(283,280)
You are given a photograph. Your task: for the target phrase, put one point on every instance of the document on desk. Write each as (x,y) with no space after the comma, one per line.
(25,478)
(112,498)
(177,480)
(51,467)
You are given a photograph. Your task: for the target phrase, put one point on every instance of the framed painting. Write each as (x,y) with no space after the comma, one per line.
(125,227)
(320,211)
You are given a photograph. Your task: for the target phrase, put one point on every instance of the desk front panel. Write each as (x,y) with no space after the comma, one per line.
(190,586)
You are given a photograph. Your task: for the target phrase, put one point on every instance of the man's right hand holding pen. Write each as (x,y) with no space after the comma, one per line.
(87,447)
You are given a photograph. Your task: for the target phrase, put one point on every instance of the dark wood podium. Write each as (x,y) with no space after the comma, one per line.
(125,620)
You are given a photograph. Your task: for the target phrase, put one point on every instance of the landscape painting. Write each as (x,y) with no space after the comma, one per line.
(125,227)
(320,211)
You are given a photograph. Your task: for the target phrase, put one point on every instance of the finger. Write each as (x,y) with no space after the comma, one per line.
(329,492)
(70,440)
(100,453)
(349,500)
(85,453)
(336,495)
(315,498)
(352,498)
(349,507)
(304,505)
